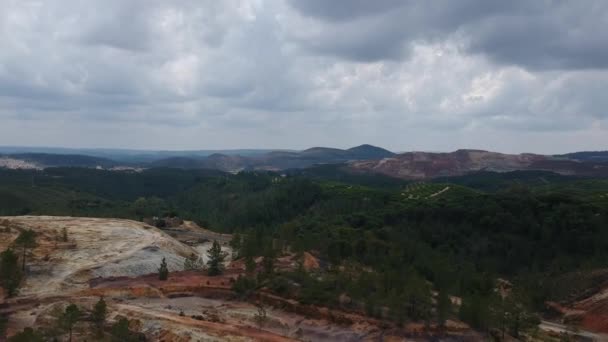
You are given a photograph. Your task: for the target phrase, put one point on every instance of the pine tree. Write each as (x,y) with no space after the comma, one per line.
(268,260)
(100,310)
(64,234)
(193,263)
(3,324)
(236,244)
(163,271)
(249,265)
(120,331)
(444,307)
(27,335)
(268,265)
(27,240)
(216,259)
(10,274)
(68,319)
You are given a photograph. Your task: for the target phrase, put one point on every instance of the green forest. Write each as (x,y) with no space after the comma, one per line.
(383,241)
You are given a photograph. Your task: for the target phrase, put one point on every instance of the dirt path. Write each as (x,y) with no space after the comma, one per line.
(439,192)
(560,328)
(213,328)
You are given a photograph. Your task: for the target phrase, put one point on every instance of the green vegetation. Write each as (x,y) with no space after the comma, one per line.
(215,263)
(100,311)
(163,270)
(396,249)
(26,240)
(193,263)
(10,273)
(3,325)
(27,335)
(68,319)
(244,286)
(120,331)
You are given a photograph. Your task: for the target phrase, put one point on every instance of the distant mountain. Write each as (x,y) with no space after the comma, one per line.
(232,160)
(44,160)
(355,153)
(318,156)
(369,152)
(598,156)
(128,155)
(277,160)
(424,165)
(359,160)
(215,161)
(179,163)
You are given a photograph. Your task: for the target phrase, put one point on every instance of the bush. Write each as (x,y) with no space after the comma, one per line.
(244,286)
(279,285)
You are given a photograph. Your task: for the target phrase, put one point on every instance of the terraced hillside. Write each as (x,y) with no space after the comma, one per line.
(118,260)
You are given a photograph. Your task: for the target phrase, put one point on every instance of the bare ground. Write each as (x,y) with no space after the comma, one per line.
(118,259)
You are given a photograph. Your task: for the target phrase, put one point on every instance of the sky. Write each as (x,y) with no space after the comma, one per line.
(508,76)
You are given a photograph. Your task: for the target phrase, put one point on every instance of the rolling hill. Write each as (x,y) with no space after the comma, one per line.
(425,165)
(363,159)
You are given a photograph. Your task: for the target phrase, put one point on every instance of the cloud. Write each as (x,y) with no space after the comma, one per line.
(532,34)
(292,74)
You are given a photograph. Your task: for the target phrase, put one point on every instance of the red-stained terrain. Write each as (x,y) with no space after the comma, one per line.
(425,165)
(117,259)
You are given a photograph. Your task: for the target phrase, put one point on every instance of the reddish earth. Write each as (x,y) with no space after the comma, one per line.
(113,258)
(595,312)
(424,165)
(589,309)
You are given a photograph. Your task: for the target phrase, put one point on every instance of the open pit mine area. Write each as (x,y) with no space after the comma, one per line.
(119,259)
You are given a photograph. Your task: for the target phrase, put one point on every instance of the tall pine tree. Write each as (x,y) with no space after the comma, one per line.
(163,270)
(26,240)
(216,259)
(10,274)
(100,311)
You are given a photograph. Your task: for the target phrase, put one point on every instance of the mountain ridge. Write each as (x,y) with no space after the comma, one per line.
(427,165)
(359,159)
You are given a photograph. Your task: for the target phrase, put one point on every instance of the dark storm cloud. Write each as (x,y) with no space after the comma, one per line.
(534,34)
(285,73)
(345,9)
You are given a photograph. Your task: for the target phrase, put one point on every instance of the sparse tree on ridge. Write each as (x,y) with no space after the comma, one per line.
(193,263)
(250,265)
(100,311)
(27,335)
(68,319)
(163,270)
(120,330)
(26,240)
(10,274)
(216,259)
(444,307)
(236,244)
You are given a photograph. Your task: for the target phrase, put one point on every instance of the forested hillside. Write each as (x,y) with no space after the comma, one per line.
(383,241)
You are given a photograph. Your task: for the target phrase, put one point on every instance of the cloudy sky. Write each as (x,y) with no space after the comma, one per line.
(510,76)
